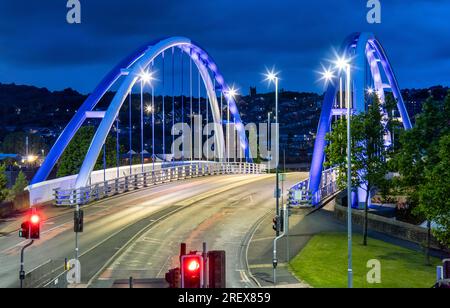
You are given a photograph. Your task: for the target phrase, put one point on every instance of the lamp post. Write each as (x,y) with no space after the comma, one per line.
(142,124)
(230,93)
(343,65)
(268,133)
(153,128)
(150,109)
(273,77)
(145,77)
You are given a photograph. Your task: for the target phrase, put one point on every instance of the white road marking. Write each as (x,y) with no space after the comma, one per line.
(244,277)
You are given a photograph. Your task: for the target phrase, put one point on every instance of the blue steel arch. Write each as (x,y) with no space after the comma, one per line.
(130,67)
(362,48)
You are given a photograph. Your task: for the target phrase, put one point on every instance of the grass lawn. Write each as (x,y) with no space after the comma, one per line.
(323,263)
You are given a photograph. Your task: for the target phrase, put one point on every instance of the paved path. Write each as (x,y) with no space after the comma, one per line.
(302,228)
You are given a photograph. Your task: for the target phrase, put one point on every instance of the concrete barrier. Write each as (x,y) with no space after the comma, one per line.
(390,226)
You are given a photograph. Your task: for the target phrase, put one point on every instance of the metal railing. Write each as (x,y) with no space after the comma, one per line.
(299,195)
(97,191)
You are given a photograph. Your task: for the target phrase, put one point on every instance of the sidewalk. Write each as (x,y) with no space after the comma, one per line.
(12,223)
(302,229)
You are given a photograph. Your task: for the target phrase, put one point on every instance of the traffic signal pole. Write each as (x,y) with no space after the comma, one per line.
(275,258)
(205,260)
(78,227)
(22,271)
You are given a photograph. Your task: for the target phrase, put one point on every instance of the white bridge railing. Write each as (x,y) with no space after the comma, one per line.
(71,197)
(299,195)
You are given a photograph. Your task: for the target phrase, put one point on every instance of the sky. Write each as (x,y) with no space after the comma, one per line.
(38,47)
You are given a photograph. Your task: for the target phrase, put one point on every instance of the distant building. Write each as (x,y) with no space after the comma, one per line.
(253,91)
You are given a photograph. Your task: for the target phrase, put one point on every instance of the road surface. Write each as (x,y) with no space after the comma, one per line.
(219,210)
(225,221)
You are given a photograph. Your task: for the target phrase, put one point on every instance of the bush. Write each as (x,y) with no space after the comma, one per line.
(3,182)
(20,185)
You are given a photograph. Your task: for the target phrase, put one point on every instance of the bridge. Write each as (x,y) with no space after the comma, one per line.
(181,55)
(371,70)
(149,64)
(136,213)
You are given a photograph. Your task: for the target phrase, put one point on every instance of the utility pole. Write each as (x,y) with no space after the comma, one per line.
(349,180)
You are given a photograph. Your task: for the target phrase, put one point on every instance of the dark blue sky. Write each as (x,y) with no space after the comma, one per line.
(38,47)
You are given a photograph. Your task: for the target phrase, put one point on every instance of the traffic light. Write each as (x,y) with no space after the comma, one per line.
(78,219)
(278,220)
(31,227)
(25,230)
(217,270)
(446,268)
(173,278)
(35,226)
(192,271)
(281,220)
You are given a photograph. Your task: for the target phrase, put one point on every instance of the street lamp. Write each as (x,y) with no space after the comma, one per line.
(343,64)
(327,75)
(268,134)
(230,93)
(148,109)
(272,76)
(145,77)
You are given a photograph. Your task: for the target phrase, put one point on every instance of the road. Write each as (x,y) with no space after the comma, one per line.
(223,220)
(219,210)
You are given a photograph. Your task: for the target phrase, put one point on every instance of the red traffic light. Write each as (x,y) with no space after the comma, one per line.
(192,271)
(193,265)
(35,219)
(31,227)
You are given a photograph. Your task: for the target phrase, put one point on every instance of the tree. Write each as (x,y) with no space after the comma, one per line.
(336,152)
(435,191)
(394,126)
(419,147)
(368,152)
(371,154)
(3,183)
(20,184)
(419,159)
(73,157)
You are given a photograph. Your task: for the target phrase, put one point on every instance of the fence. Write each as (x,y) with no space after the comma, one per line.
(95,192)
(299,195)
